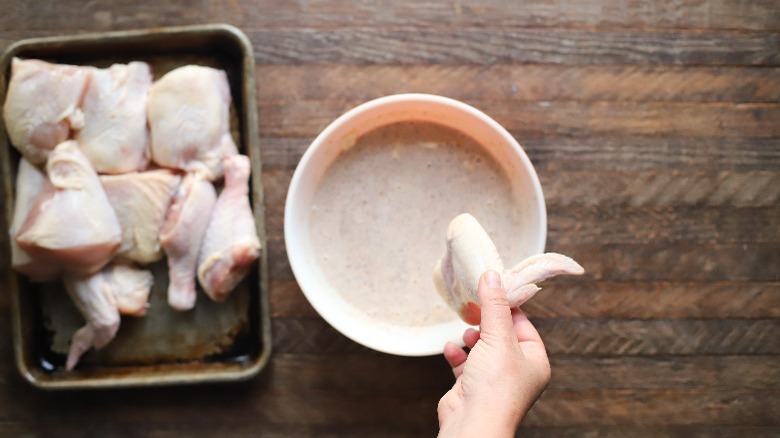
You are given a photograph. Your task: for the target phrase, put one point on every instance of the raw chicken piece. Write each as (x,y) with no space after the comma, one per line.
(182,234)
(189,120)
(114,136)
(230,246)
(42,105)
(30,181)
(95,300)
(71,222)
(470,253)
(101,298)
(130,286)
(140,200)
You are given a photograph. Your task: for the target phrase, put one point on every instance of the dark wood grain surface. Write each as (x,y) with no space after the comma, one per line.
(655,130)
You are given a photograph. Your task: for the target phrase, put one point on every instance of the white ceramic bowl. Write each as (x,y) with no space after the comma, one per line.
(399,340)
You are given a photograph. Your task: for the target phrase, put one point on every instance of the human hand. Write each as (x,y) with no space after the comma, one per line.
(499,380)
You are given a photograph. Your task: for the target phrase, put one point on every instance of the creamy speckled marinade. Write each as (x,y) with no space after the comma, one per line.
(379,218)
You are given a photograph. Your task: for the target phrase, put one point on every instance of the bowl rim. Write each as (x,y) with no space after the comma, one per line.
(297,261)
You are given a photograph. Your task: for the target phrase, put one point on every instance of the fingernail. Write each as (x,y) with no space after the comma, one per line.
(492,279)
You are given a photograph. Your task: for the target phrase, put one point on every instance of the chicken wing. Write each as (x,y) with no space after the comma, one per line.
(470,252)
(101,298)
(93,297)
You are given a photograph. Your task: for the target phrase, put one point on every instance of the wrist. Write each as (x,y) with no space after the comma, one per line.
(482,419)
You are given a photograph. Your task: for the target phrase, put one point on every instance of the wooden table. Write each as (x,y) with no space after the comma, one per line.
(655,130)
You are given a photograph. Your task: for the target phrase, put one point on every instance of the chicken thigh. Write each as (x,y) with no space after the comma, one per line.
(71,222)
(470,252)
(42,105)
(230,246)
(30,181)
(189,120)
(140,200)
(181,237)
(114,136)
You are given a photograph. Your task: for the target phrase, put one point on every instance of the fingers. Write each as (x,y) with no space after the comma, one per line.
(470,337)
(456,357)
(524,330)
(496,320)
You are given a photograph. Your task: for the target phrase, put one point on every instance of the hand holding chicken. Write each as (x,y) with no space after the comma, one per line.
(470,252)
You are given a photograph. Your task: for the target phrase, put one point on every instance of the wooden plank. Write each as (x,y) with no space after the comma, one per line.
(497,13)
(241,413)
(278,263)
(431,45)
(276,428)
(519,82)
(665,372)
(298,118)
(310,336)
(360,370)
(287,300)
(5,298)
(452,46)
(616,224)
(573,298)
(652,337)
(296,371)
(660,188)
(594,152)
(670,153)
(719,14)
(582,298)
(48,16)
(655,407)
(596,336)
(315,398)
(680,262)
(367,413)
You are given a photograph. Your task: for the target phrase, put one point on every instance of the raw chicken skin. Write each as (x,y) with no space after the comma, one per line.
(471,252)
(230,246)
(114,136)
(189,120)
(42,105)
(97,304)
(130,286)
(140,200)
(30,181)
(182,234)
(101,298)
(71,222)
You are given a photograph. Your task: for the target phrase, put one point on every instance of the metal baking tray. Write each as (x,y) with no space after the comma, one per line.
(213,342)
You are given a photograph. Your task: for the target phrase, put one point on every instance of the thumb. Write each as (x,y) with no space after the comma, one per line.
(496,314)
